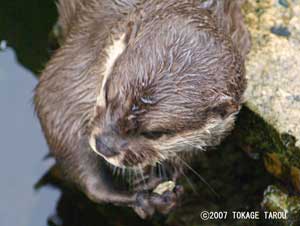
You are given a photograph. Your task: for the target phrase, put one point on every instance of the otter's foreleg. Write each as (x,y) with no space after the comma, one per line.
(99,189)
(89,172)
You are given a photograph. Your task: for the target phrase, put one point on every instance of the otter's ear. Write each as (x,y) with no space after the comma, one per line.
(230,19)
(226,106)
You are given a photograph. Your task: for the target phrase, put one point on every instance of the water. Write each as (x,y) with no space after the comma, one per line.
(24,30)
(22,149)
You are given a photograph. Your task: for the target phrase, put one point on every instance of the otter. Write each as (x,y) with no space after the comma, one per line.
(136,83)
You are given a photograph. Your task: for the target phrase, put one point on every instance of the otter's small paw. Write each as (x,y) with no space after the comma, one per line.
(147,204)
(143,207)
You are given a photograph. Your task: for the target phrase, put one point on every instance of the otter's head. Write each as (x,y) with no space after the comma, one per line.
(174,86)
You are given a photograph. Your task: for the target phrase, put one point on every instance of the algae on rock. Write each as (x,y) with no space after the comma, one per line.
(273,69)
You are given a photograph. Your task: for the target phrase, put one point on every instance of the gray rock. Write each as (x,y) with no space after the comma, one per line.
(273,66)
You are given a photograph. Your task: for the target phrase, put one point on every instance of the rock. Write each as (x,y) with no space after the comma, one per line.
(277,201)
(273,65)
(273,93)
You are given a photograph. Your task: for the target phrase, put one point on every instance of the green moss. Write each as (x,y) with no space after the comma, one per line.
(277,200)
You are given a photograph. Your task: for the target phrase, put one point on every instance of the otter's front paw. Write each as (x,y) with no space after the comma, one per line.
(149,203)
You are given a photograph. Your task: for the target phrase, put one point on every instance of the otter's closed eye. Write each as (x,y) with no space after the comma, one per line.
(153,135)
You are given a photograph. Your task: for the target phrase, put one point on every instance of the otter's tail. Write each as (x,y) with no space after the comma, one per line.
(230,19)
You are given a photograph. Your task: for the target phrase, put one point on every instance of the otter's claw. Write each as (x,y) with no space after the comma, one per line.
(147,204)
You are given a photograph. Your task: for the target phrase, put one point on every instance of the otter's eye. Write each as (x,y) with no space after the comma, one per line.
(153,135)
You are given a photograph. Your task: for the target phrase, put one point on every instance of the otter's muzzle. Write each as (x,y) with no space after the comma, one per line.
(110,145)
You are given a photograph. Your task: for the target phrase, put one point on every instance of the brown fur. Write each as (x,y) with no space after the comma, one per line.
(181,74)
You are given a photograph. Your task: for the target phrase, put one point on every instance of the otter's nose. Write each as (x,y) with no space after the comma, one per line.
(108,146)
(105,148)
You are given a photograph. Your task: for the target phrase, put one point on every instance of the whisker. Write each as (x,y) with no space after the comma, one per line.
(114,170)
(199,176)
(159,170)
(118,171)
(142,175)
(123,172)
(164,171)
(135,174)
(152,171)
(190,182)
(130,180)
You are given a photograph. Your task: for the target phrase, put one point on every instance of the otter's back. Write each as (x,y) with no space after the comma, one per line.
(70,11)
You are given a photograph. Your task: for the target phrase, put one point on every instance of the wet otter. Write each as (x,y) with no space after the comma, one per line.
(139,82)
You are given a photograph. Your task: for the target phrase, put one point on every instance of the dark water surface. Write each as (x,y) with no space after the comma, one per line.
(24,28)
(22,149)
